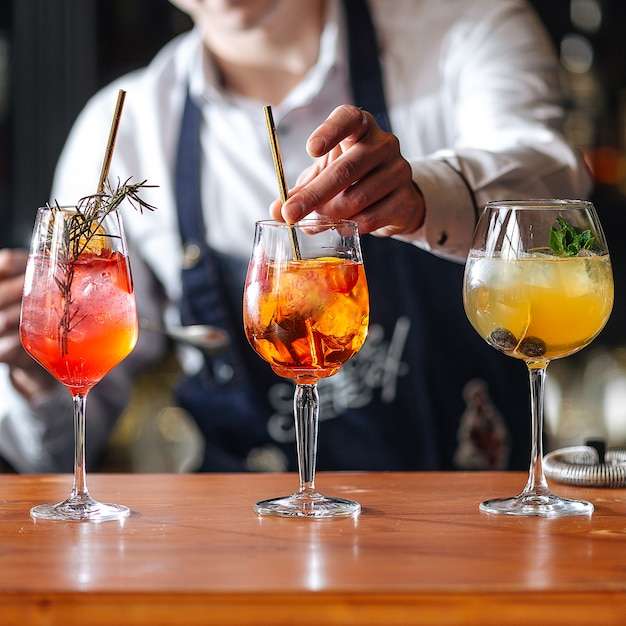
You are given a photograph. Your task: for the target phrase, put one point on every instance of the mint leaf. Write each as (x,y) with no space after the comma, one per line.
(567,241)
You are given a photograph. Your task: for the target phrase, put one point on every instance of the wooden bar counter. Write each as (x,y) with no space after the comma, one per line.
(193,552)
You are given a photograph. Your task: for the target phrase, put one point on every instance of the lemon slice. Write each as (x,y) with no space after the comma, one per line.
(95,240)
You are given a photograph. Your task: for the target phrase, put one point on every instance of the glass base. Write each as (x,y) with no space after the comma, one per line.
(547,505)
(80,511)
(307,505)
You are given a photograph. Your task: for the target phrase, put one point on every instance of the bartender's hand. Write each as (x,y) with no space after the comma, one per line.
(27,376)
(359,174)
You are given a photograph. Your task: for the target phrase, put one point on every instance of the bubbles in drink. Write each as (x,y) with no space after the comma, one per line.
(81,335)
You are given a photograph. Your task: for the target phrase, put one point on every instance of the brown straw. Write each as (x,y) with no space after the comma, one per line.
(280,174)
(108,155)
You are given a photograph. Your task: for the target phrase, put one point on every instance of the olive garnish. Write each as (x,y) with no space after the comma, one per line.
(532,346)
(503,339)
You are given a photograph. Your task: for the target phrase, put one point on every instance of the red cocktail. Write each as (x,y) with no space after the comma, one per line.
(78,320)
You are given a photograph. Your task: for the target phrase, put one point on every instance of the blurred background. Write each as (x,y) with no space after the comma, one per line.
(54,54)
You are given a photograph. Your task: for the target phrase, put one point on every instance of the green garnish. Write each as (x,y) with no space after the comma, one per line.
(82,228)
(567,241)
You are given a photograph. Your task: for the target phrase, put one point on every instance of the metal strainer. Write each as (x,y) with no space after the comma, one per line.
(591,465)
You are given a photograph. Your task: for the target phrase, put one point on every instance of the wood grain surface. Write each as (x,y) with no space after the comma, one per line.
(193,552)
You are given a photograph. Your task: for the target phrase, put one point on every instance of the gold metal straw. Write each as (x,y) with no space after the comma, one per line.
(108,155)
(280,174)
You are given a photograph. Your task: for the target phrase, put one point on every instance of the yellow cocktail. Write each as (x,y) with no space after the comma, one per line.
(538,286)
(539,306)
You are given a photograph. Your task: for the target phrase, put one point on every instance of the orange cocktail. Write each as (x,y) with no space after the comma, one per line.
(306,312)
(307,317)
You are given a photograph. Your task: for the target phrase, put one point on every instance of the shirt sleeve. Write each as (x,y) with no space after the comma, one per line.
(502,97)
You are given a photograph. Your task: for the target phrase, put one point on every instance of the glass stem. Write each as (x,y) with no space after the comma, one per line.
(537,484)
(79,490)
(306,414)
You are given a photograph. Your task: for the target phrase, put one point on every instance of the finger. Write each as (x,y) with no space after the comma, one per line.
(293,211)
(346,121)
(398,212)
(349,168)
(275,210)
(339,174)
(11,290)
(307,175)
(359,196)
(12,352)
(387,201)
(10,318)
(387,180)
(12,262)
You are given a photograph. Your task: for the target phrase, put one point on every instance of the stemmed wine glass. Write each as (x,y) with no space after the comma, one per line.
(538,286)
(78,320)
(306,312)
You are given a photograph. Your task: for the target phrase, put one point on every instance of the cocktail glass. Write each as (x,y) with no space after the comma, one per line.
(306,312)
(78,320)
(538,286)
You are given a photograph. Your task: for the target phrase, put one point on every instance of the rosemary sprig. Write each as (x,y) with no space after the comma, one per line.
(78,232)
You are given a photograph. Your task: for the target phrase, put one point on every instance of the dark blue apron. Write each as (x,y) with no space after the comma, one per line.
(424,393)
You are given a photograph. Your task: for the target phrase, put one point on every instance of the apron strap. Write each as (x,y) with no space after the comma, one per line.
(364,61)
(205,299)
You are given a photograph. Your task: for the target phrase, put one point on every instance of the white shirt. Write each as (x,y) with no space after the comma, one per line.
(472,88)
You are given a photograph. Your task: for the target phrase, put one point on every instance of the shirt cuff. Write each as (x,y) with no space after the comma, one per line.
(450,210)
